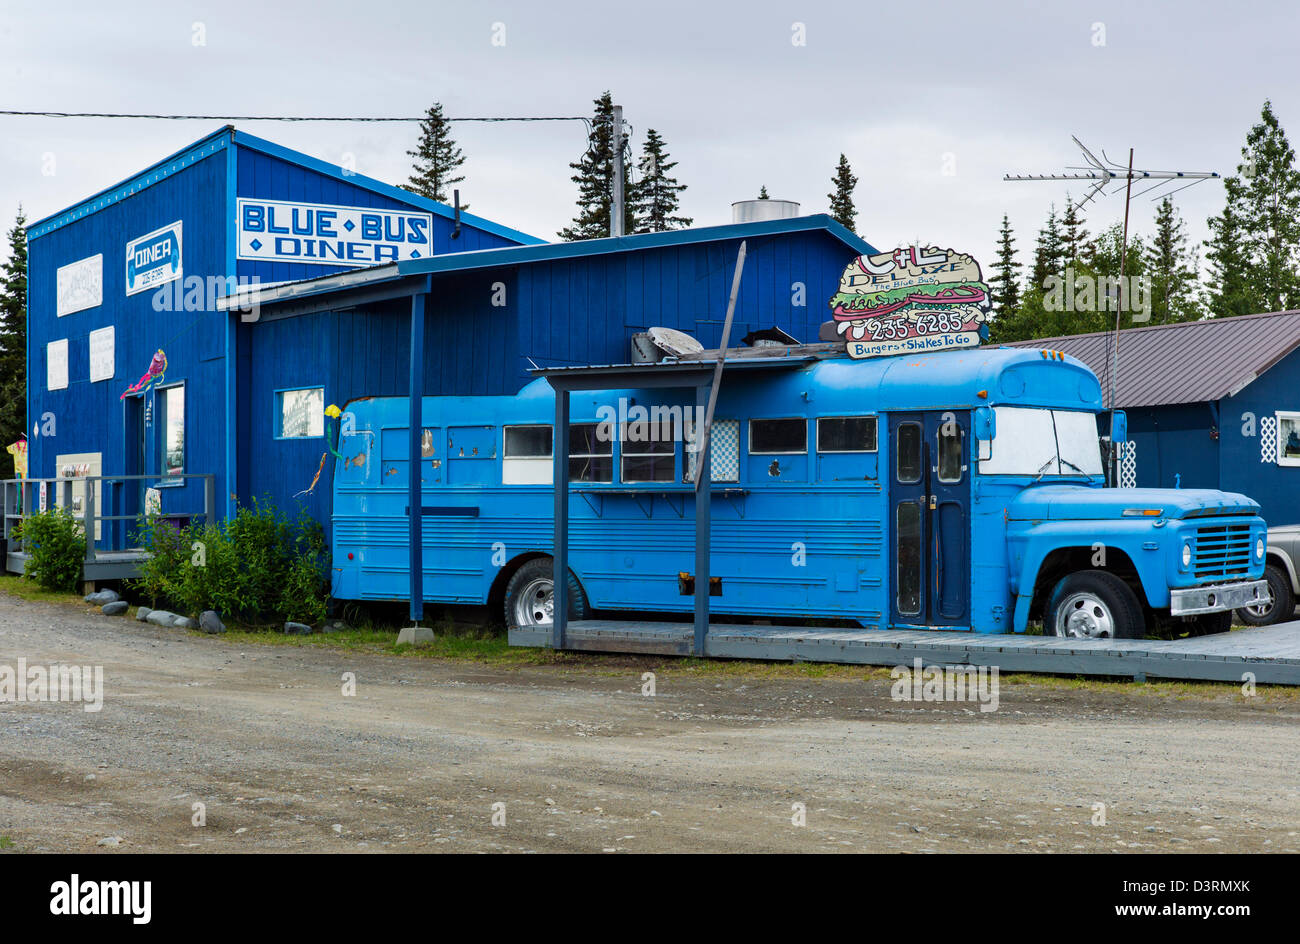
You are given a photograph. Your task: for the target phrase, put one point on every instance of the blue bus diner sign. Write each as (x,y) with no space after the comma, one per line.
(154,259)
(909,301)
(320,234)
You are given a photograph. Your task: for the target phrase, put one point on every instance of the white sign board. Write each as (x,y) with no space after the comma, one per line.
(102,354)
(154,259)
(321,234)
(56,365)
(80,285)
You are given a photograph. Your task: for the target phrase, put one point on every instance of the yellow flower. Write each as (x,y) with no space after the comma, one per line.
(332,411)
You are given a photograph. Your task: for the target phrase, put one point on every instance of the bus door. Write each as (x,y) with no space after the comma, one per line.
(930,519)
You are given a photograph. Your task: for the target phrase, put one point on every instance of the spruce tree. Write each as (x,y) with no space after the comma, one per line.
(655,200)
(1172,268)
(1048,252)
(1229,290)
(437,158)
(844,180)
(1005,285)
(1265,200)
(13,336)
(595,178)
(1074,238)
(762,192)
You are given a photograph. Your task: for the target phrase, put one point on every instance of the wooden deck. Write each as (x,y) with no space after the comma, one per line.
(107,565)
(1271,653)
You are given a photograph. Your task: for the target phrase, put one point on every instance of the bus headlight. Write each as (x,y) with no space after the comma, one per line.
(1259,548)
(1187,555)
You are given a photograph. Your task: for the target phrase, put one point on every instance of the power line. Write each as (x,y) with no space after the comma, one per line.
(99,114)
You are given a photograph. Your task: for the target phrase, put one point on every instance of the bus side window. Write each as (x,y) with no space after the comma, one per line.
(526,456)
(724,449)
(591,457)
(778,450)
(649,452)
(471,451)
(846,448)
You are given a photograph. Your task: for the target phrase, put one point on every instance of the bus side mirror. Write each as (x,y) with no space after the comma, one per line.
(1119,427)
(986,427)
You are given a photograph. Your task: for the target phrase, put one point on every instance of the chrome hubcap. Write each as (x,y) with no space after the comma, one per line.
(535,605)
(1085,616)
(1261,608)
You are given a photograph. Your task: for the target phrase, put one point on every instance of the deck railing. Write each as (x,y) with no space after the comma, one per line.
(105,533)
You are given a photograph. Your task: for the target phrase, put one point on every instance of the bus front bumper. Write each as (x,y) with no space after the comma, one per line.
(1215,598)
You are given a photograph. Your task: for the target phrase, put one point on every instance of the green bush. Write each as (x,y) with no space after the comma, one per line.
(259,567)
(55,544)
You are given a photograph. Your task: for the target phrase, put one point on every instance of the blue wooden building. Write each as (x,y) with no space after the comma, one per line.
(137,267)
(342,262)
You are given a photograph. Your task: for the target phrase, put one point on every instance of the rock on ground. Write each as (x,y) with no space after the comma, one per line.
(210,622)
(142,613)
(297,629)
(102,597)
(114,608)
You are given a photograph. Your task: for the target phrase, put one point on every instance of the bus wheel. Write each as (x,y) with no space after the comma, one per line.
(1093,605)
(1281,603)
(530,596)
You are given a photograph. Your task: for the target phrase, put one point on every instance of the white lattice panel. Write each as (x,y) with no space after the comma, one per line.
(1267,438)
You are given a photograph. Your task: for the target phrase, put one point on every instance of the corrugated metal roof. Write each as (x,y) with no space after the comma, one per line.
(1190,362)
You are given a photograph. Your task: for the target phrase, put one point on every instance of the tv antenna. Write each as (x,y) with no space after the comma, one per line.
(1104,172)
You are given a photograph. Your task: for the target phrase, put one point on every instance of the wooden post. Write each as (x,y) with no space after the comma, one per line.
(415,422)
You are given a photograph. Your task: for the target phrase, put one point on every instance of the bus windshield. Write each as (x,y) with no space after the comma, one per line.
(1042,442)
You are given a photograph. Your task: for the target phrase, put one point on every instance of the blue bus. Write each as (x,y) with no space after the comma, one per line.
(959,489)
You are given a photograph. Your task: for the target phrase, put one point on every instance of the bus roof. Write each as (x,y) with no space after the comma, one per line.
(937,380)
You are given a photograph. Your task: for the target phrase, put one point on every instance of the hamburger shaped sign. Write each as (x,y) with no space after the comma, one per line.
(910,300)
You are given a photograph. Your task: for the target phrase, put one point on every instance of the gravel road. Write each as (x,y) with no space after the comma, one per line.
(416,759)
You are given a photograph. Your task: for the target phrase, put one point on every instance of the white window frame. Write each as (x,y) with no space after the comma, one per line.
(527,470)
(1292,416)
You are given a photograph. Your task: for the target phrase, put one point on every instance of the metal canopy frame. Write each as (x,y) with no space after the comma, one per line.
(698,375)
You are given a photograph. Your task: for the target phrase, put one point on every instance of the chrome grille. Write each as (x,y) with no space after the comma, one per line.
(1221,551)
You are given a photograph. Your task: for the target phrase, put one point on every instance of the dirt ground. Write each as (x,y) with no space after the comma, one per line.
(283,760)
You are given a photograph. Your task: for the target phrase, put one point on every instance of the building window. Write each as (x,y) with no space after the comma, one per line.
(1288,438)
(300,414)
(778,437)
(846,434)
(652,458)
(591,457)
(526,458)
(171,422)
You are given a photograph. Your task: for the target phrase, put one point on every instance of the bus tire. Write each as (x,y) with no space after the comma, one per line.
(1280,608)
(529,598)
(1093,605)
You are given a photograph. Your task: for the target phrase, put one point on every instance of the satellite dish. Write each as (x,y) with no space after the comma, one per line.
(674,342)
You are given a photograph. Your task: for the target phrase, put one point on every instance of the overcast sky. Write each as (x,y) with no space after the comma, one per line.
(906,90)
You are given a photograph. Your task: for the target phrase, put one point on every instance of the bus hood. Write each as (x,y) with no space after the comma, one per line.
(1075,502)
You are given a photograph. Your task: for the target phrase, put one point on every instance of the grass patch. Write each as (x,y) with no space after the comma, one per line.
(6,842)
(24,588)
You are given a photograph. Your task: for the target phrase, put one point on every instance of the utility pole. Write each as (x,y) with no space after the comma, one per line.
(616,203)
